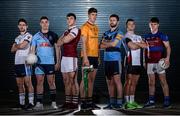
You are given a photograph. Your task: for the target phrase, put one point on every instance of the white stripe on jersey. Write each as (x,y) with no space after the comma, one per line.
(21,54)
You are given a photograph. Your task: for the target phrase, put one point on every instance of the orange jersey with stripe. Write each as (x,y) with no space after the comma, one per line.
(90,32)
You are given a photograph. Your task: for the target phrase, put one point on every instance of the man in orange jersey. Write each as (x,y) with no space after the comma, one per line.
(90,53)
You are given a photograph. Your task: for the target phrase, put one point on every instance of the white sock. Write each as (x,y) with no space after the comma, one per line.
(127,98)
(131,98)
(31,98)
(22,98)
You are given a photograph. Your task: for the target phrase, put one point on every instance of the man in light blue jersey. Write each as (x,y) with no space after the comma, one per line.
(111,42)
(43,44)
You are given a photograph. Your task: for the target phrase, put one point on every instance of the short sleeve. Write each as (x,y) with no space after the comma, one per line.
(164,37)
(34,42)
(119,35)
(84,31)
(28,38)
(74,32)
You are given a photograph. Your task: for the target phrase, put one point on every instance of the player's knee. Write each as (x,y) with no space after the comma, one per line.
(20,85)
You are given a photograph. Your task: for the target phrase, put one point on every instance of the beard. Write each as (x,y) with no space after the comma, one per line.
(113,25)
(22,30)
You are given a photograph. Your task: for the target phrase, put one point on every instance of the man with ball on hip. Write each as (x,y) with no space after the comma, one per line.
(21,47)
(43,44)
(157,63)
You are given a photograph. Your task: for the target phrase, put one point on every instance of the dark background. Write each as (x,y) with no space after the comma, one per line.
(56,10)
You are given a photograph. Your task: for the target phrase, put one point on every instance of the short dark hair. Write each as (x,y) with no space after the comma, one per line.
(44,17)
(71,14)
(91,10)
(115,15)
(154,20)
(22,20)
(129,20)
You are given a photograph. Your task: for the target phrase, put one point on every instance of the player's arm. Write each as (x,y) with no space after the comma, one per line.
(66,39)
(113,43)
(22,45)
(168,51)
(85,58)
(58,53)
(13,48)
(142,44)
(102,46)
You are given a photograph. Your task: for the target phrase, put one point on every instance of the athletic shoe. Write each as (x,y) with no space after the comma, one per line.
(29,106)
(39,106)
(136,105)
(129,106)
(109,106)
(54,106)
(167,106)
(84,106)
(149,105)
(93,106)
(118,106)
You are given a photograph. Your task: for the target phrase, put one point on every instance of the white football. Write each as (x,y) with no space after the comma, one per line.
(31,59)
(162,64)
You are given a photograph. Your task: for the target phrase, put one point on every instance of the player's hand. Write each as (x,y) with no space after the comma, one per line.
(167,62)
(85,62)
(57,66)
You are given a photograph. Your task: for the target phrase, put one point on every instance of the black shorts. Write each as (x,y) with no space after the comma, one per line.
(22,70)
(93,61)
(137,70)
(112,68)
(46,69)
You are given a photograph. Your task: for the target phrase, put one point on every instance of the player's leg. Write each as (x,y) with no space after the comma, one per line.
(91,77)
(165,88)
(74,99)
(21,89)
(118,84)
(111,90)
(39,87)
(134,81)
(52,89)
(30,88)
(20,71)
(127,88)
(151,81)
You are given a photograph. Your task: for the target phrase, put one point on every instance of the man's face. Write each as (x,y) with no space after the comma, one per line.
(44,23)
(153,26)
(131,26)
(92,17)
(113,22)
(71,21)
(22,27)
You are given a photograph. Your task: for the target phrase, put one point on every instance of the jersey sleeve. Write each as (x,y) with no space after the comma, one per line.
(84,31)
(74,32)
(119,36)
(28,38)
(164,37)
(127,40)
(34,42)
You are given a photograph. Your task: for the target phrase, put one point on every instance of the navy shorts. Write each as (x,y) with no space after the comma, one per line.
(46,69)
(112,68)
(23,70)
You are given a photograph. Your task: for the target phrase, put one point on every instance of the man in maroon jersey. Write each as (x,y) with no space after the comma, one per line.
(69,66)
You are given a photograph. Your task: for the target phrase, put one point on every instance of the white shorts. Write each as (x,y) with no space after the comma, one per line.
(154,68)
(69,64)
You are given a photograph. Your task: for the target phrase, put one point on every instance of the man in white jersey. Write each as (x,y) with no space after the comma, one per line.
(134,64)
(21,47)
